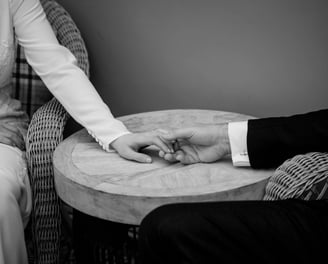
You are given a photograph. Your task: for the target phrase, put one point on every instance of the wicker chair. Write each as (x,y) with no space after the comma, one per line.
(303,177)
(45,132)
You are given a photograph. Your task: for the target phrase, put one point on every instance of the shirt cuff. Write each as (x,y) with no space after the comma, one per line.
(237,132)
(106,131)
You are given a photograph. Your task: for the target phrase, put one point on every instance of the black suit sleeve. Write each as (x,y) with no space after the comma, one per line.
(270,141)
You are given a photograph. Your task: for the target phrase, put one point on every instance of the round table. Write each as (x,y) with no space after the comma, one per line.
(107,186)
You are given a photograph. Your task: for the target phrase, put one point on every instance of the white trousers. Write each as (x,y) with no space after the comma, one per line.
(15,205)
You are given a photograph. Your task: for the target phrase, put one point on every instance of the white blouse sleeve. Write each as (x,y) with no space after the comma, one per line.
(57,67)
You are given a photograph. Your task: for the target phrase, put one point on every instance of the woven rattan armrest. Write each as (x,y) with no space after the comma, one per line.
(45,132)
(303,176)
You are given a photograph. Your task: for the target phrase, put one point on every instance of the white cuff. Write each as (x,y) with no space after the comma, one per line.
(237,132)
(107,132)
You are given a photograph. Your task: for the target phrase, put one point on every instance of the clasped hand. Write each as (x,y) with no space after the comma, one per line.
(198,144)
(186,145)
(128,145)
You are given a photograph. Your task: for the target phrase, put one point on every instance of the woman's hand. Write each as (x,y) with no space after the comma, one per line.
(11,136)
(128,146)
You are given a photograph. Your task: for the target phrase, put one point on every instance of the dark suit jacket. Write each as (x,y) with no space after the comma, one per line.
(270,141)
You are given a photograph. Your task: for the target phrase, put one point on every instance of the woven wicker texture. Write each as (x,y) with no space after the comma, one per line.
(303,176)
(44,134)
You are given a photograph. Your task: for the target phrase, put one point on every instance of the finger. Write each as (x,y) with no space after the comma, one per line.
(166,156)
(179,155)
(153,138)
(158,134)
(161,131)
(169,157)
(166,147)
(183,157)
(137,156)
(178,133)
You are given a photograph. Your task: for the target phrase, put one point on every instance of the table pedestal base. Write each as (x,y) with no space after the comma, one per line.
(103,241)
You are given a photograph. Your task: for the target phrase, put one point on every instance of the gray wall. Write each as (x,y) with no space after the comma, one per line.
(258,57)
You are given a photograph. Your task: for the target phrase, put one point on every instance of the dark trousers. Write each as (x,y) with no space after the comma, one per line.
(288,231)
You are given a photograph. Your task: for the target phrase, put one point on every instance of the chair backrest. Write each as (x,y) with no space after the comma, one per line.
(27,85)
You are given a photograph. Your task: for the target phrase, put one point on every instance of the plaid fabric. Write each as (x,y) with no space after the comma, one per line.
(27,85)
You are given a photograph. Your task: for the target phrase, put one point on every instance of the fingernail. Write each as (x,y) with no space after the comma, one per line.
(165,132)
(148,160)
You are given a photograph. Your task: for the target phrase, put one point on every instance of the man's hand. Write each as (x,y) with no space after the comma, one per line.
(128,146)
(11,136)
(198,144)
